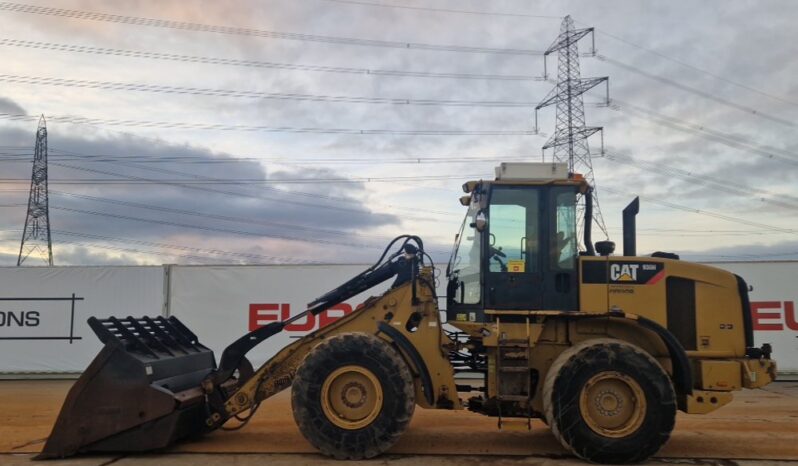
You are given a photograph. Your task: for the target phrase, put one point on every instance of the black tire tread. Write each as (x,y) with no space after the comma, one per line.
(384,431)
(585,353)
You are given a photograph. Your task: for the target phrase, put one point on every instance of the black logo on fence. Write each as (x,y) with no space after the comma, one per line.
(33,318)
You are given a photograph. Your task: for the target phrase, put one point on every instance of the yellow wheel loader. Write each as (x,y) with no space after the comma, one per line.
(603,348)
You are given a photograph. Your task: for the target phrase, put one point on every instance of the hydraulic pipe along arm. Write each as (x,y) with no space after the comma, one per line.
(383,270)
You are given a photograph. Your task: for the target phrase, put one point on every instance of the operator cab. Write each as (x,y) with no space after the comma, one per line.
(517,246)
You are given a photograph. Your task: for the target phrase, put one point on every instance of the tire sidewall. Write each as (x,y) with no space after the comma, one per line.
(634,363)
(378,357)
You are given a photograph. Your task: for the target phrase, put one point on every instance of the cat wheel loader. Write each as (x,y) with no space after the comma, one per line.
(603,348)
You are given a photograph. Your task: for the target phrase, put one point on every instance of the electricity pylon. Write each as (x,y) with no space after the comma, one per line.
(569,142)
(36,234)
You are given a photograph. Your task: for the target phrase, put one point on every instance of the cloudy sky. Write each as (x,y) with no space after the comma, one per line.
(316,130)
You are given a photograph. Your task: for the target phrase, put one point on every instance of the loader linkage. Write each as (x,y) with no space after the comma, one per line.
(154,383)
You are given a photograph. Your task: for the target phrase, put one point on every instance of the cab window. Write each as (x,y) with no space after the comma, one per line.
(465,262)
(513,227)
(563,240)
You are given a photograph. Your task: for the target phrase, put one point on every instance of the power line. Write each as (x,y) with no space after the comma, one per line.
(445,10)
(707,232)
(220,230)
(82,120)
(181,25)
(214,229)
(654,231)
(666,170)
(730,140)
(209,251)
(133,250)
(141,251)
(695,91)
(711,231)
(235,93)
(727,218)
(72,48)
(292,227)
(242,181)
(706,180)
(697,69)
(720,185)
(741,256)
(206,215)
(315,196)
(59,155)
(245,181)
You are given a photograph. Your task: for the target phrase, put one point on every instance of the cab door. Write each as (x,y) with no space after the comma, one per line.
(512,260)
(560,281)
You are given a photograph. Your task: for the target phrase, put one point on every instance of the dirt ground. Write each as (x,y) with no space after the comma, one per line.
(758,426)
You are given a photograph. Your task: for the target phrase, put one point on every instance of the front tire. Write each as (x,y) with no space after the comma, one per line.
(609,402)
(353,396)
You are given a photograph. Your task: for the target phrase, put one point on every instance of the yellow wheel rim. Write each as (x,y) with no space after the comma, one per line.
(612,404)
(351,397)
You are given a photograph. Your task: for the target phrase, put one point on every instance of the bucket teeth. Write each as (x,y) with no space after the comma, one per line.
(147,335)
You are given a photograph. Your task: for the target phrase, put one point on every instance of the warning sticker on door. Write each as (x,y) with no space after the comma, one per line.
(515,265)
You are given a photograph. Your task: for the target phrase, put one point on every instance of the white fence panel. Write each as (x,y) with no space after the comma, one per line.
(773,306)
(43,312)
(220,304)
(40,331)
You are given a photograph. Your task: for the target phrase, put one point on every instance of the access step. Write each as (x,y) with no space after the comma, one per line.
(514,369)
(513,398)
(523,343)
(515,424)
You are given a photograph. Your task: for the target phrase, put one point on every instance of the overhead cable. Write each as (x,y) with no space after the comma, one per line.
(72,48)
(258,234)
(226,218)
(80,120)
(284,196)
(730,140)
(692,90)
(697,69)
(726,186)
(249,94)
(446,10)
(707,213)
(208,251)
(187,26)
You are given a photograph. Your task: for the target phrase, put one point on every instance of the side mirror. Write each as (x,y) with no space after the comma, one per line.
(480,221)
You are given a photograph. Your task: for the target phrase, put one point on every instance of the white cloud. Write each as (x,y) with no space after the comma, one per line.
(741,41)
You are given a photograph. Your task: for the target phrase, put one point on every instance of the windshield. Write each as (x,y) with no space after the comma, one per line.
(464,262)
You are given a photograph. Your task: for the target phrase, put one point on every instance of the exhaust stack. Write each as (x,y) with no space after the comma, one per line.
(590,250)
(630,228)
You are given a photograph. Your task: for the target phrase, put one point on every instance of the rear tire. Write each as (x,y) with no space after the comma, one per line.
(353,396)
(609,401)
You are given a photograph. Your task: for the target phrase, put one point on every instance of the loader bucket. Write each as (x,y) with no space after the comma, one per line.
(141,392)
